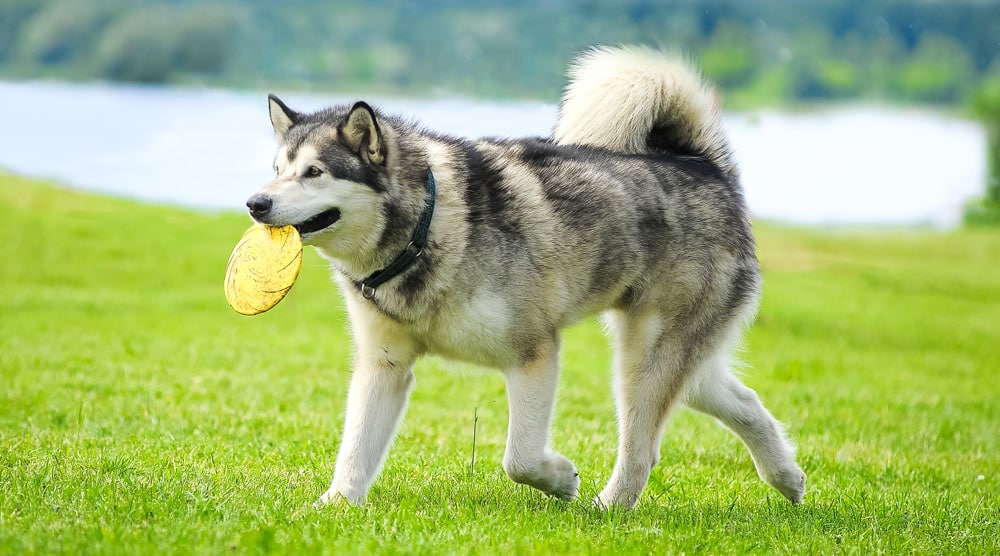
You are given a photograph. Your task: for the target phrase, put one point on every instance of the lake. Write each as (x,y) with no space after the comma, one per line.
(212,148)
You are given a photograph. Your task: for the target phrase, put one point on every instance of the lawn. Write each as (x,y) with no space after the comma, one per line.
(139,414)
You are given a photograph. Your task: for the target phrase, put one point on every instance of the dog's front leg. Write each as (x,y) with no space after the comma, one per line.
(376,401)
(531,392)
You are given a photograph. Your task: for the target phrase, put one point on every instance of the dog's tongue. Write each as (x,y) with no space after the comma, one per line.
(262,268)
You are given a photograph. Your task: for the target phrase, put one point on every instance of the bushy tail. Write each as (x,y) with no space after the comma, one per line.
(637,100)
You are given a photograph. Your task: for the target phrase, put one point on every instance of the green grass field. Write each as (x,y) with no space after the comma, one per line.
(139,414)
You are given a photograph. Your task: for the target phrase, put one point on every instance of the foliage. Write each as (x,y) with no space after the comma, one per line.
(64,32)
(767,51)
(986,105)
(728,58)
(939,70)
(140,415)
(204,38)
(154,43)
(138,47)
(14,14)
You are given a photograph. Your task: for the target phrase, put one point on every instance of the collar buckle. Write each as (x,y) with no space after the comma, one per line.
(414,250)
(367,291)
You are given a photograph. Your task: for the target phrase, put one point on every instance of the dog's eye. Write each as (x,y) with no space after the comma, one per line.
(313,172)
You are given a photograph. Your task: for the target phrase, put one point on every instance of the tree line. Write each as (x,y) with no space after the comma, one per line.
(758,51)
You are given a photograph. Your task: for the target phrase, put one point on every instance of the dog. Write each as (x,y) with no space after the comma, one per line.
(482,251)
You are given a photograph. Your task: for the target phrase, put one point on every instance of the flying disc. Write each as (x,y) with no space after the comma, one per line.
(263,268)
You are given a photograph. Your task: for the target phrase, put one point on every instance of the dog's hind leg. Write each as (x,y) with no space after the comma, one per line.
(531,392)
(650,372)
(720,394)
(377,398)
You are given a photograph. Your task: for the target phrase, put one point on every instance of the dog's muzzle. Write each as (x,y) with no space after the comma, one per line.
(260,208)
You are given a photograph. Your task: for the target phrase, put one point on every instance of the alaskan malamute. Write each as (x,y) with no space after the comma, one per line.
(482,251)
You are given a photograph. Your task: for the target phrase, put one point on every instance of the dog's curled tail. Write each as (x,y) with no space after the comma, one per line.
(637,100)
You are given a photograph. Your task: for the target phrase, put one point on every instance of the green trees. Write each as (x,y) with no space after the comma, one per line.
(730,56)
(14,15)
(938,70)
(63,32)
(760,51)
(137,47)
(986,105)
(156,43)
(145,41)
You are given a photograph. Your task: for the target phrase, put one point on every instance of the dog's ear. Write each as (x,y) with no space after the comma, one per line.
(282,117)
(360,132)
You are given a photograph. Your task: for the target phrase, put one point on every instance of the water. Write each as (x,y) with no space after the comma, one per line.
(210,148)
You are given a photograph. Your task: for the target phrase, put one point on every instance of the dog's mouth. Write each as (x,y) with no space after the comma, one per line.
(319,222)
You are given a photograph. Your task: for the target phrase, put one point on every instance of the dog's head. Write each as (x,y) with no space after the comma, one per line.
(331,180)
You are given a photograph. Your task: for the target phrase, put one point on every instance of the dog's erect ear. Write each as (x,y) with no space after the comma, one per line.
(282,117)
(360,131)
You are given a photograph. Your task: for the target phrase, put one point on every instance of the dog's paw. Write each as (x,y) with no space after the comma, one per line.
(555,476)
(601,504)
(567,483)
(334,497)
(609,499)
(791,483)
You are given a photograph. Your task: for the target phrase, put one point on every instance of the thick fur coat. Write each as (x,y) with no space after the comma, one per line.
(632,208)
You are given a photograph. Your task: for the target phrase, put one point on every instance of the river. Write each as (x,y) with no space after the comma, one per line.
(212,148)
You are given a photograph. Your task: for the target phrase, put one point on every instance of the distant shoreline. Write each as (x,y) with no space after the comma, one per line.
(205,147)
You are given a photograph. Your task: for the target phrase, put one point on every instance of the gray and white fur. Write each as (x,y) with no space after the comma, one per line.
(633,208)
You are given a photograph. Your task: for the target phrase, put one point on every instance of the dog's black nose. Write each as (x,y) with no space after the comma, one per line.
(259,205)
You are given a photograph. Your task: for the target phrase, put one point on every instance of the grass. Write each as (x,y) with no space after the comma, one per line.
(139,414)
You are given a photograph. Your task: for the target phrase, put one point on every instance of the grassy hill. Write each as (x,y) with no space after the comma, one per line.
(140,414)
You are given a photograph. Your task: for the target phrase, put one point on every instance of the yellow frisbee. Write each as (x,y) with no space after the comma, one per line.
(262,268)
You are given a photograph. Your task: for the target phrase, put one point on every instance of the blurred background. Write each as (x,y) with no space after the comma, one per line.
(873,112)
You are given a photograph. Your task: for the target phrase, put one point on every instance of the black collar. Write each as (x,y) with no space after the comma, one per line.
(412,251)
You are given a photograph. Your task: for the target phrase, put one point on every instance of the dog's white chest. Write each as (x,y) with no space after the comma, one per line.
(478,331)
